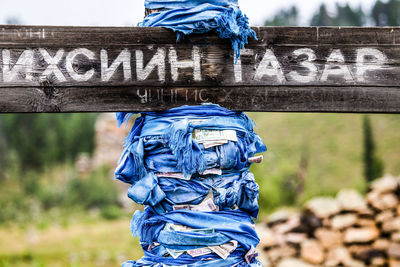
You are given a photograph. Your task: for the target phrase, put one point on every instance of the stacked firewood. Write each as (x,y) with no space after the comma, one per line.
(348,230)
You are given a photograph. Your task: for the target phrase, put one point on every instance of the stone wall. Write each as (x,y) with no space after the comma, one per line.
(109,140)
(349,230)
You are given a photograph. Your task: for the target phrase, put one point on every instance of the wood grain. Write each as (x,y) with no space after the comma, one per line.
(290,69)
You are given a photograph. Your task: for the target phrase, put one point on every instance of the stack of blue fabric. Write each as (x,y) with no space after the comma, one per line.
(189,167)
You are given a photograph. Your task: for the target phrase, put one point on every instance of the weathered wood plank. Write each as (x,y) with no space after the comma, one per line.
(270,98)
(77,69)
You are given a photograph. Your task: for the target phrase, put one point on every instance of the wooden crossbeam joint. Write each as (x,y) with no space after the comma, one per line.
(291,69)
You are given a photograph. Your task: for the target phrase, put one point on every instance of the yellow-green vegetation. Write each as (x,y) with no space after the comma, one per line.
(326,150)
(94,243)
(59,217)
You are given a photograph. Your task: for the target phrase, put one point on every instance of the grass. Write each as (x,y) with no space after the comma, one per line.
(334,145)
(100,243)
(331,143)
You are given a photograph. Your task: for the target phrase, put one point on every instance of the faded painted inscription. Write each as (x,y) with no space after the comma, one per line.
(65,65)
(173,68)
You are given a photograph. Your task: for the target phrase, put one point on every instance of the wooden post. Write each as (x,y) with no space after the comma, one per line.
(290,69)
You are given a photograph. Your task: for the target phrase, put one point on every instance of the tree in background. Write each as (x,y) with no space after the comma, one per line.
(3,154)
(292,184)
(345,16)
(386,14)
(42,140)
(373,165)
(285,17)
(322,18)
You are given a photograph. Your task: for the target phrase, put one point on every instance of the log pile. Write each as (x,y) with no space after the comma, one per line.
(349,230)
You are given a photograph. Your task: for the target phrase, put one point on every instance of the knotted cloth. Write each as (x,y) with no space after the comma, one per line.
(201,16)
(196,210)
(189,166)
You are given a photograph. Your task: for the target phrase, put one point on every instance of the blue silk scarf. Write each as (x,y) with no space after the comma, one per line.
(201,16)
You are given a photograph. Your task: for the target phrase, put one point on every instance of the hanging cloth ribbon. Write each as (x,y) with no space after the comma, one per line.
(201,16)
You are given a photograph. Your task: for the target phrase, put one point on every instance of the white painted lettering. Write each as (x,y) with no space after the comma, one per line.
(363,66)
(336,67)
(157,61)
(194,63)
(123,58)
(24,65)
(237,64)
(269,66)
(313,70)
(203,98)
(70,68)
(52,68)
(144,98)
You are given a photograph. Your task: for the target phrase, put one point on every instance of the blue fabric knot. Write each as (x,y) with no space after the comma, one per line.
(189,166)
(201,16)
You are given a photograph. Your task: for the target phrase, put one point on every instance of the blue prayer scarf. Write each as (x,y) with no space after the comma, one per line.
(201,16)
(161,142)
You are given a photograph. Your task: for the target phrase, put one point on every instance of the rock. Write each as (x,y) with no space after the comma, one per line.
(292,223)
(395,237)
(365,253)
(389,201)
(367,213)
(310,223)
(83,164)
(365,222)
(351,200)
(357,250)
(381,244)
(291,262)
(361,235)
(326,222)
(263,259)
(385,184)
(384,216)
(323,207)
(276,254)
(278,217)
(295,238)
(394,251)
(354,263)
(267,237)
(312,252)
(382,201)
(381,261)
(340,256)
(109,140)
(391,225)
(329,238)
(343,221)
(394,263)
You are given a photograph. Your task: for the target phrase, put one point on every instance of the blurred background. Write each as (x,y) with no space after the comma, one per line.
(59,204)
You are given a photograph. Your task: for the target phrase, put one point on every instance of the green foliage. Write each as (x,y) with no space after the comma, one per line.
(43,140)
(325,149)
(36,196)
(383,13)
(111,213)
(97,191)
(345,16)
(373,165)
(285,17)
(14,204)
(386,14)
(3,153)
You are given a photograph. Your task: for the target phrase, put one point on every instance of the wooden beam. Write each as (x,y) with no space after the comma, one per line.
(291,69)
